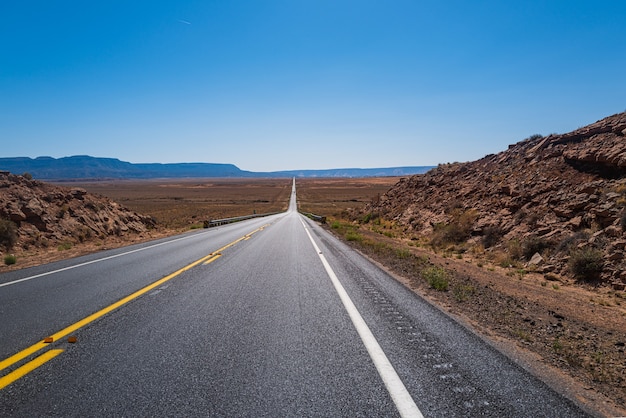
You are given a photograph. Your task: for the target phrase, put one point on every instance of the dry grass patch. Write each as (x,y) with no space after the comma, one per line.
(185,203)
(331,197)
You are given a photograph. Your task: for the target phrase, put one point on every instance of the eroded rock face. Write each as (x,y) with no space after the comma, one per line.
(569,190)
(47,215)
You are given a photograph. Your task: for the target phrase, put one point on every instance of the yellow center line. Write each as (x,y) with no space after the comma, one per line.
(28,367)
(212,259)
(87,320)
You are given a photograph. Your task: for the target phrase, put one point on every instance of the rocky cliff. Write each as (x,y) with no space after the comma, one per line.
(45,215)
(559,200)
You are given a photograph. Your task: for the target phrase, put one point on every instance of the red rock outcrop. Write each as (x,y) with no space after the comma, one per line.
(565,191)
(48,215)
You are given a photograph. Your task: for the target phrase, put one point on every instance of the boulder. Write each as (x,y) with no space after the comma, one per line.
(536,260)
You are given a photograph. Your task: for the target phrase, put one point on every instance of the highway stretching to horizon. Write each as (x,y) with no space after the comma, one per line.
(267,317)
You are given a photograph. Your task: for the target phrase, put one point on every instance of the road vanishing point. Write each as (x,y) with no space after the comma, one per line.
(270,317)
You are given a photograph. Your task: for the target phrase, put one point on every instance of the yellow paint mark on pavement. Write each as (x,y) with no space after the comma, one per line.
(87,320)
(212,259)
(28,367)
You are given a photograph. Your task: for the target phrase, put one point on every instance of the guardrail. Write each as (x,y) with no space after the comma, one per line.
(216,222)
(318,218)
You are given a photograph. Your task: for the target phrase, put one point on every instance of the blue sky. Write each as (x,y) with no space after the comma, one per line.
(303,84)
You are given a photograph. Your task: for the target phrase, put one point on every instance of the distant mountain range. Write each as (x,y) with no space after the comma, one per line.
(85,167)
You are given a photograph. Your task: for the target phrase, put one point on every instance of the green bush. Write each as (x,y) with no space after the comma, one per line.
(64,246)
(354,236)
(369,217)
(10,259)
(437,278)
(8,234)
(586,264)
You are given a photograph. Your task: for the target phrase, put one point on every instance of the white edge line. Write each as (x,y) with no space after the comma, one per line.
(400,395)
(94,261)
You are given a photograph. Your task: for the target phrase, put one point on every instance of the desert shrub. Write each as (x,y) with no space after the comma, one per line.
(453,207)
(568,243)
(437,278)
(457,230)
(506,261)
(369,217)
(8,234)
(27,176)
(514,249)
(9,259)
(64,246)
(62,211)
(491,235)
(83,233)
(534,137)
(534,245)
(586,263)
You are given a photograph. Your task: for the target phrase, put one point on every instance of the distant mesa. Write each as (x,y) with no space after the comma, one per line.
(84,167)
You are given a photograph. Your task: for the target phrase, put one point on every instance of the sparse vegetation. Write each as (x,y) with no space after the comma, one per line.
(567,244)
(491,236)
(586,264)
(437,278)
(462,292)
(10,259)
(403,253)
(352,235)
(534,137)
(64,246)
(523,335)
(8,234)
(457,230)
(514,249)
(534,245)
(369,217)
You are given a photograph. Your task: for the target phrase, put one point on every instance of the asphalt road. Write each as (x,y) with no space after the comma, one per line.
(267,317)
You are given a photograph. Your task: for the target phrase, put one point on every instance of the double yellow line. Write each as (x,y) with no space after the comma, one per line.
(49,355)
